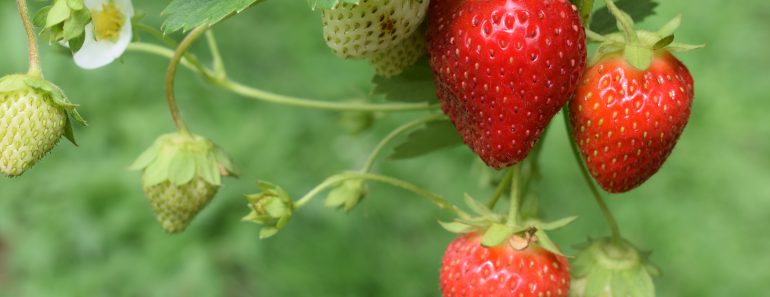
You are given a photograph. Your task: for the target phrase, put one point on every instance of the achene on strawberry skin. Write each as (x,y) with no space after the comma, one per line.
(472,270)
(626,121)
(503,69)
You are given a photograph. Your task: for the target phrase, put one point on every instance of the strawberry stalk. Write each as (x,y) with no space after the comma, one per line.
(501,188)
(230,85)
(613,224)
(337,179)
(513,210)
(394,134)
(34,57)
(181,126)
(585,7)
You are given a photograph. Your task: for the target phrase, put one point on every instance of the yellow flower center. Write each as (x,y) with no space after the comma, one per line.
(107,22)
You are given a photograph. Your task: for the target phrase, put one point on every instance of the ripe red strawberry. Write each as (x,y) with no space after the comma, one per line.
(503,69)
(633,104)
(471,270)
(627,121)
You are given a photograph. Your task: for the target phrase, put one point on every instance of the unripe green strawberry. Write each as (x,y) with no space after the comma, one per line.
(361,30)
(33,117)
(182,173)
(396,59)
(175,206)
(604,268)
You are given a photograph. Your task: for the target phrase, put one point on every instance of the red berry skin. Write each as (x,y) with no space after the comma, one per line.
(503,69)
(471,270)
(626,122)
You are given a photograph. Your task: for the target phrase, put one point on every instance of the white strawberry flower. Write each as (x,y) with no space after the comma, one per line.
(107,35)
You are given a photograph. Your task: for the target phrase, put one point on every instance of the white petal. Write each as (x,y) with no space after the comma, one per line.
(94,54)
(95,4)
(125,7)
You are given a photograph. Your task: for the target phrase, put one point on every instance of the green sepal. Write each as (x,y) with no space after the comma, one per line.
(75,26)
(182,167)
(496,234)
(227,166)
(663,42)
(69,133)
(57,96)
(638,56)
(546,242)
(346,195)
(58,13)
(477,207)
(457,227)
(669,28)
(76,4)
(179,158)
(605,268)
(272,207)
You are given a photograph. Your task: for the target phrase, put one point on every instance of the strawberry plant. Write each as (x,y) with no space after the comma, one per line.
(489,74)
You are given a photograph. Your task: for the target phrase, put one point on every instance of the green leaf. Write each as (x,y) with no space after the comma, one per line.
(603,22)
(188,14)
(496,234)
(181,170)
(415,84)
(434,136)
(328,4)
(59,12)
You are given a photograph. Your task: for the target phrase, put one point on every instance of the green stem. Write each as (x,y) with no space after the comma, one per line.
(157,34)
(395,133)
(586,7)
(334,180)
(625,22)
(261,95)
(534,164)
(616,237)
(501,188)
(313,104)
(171,75)
(219,65)
(513,211)
(34,56)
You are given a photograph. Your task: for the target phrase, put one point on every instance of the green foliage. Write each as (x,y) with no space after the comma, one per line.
(188,14)
(603,22)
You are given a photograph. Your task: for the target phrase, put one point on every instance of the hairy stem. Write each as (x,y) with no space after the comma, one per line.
(171,75)
(616,237)
(513,211)
(34,56)
(334,180)
(395,133)
(260,95)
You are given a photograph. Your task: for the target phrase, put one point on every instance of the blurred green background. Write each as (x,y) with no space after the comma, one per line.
(78,224)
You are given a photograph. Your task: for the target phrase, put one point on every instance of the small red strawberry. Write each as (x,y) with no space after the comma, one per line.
(470,269)
(503,69)
(632,106)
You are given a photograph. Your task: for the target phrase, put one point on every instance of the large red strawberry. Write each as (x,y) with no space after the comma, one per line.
(632,106)
(503,69)
(471,270)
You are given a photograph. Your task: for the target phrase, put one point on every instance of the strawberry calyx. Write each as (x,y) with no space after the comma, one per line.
(180,158)
(272,208)
(497,229)
(605,268)
(34,82)
(638,47)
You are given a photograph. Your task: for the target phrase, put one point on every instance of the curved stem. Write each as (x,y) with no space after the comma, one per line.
(395,133)
(616,237)
(513,211)
(324,105)
(34,56)
(334,180)
(261,95)
(219,65)
(171,75)
(501,188)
